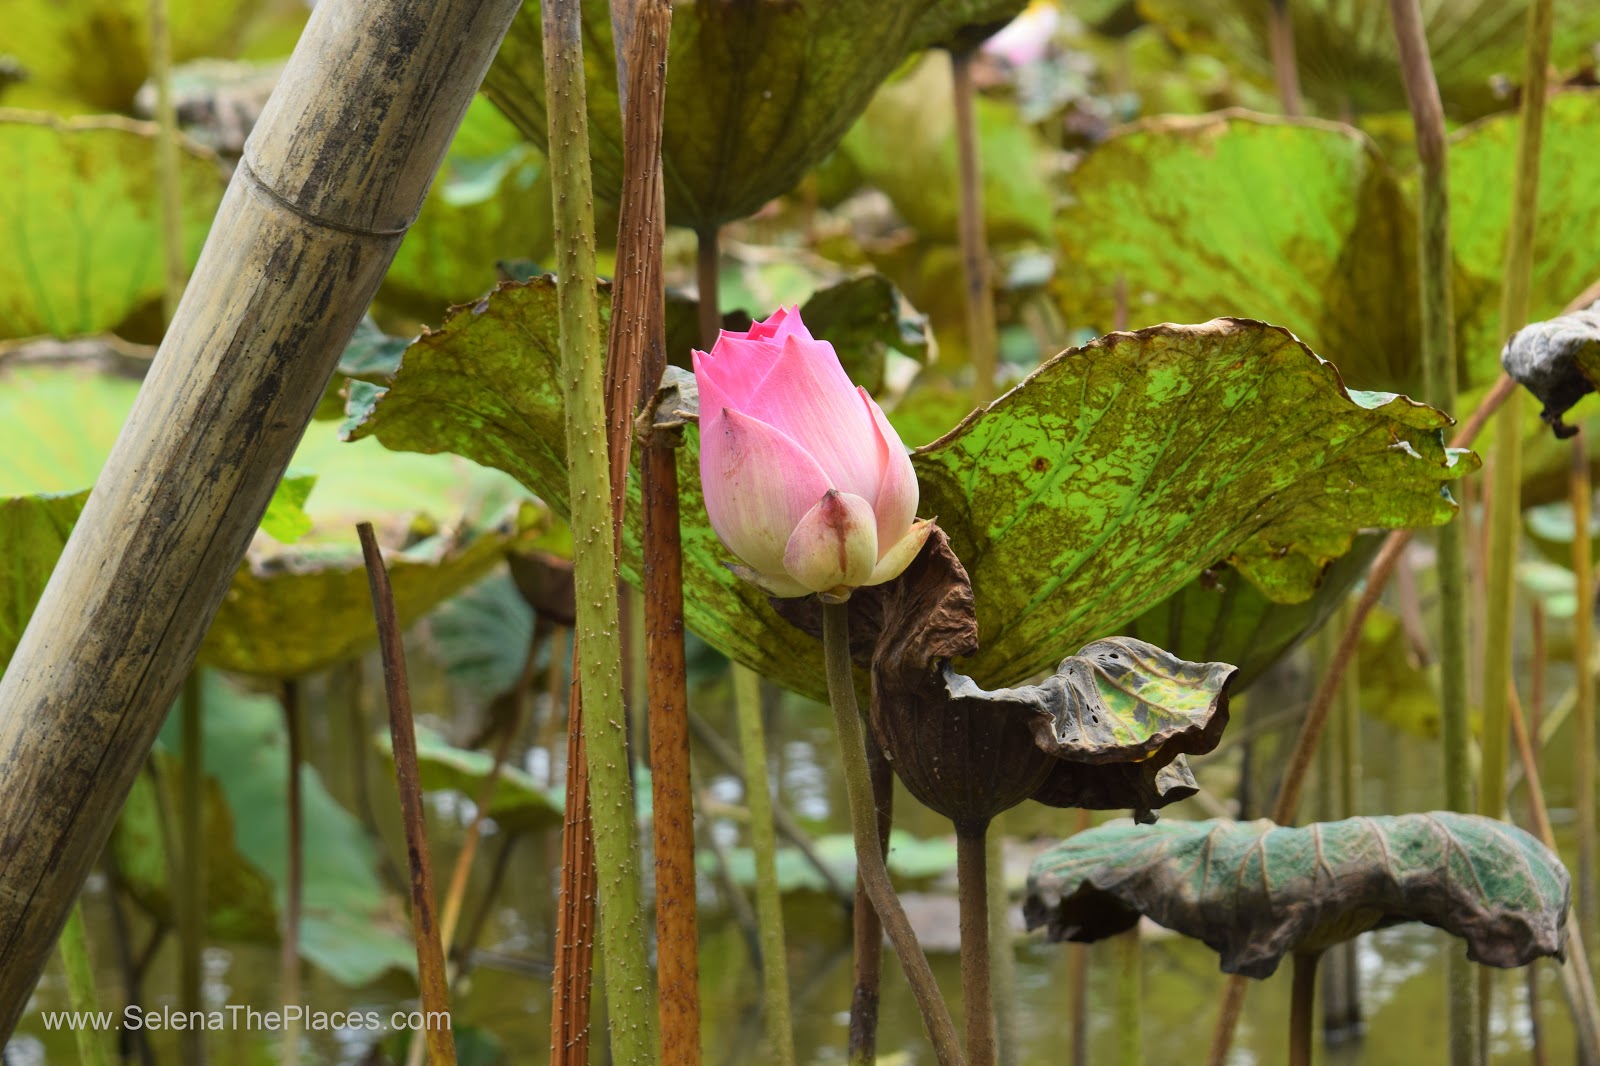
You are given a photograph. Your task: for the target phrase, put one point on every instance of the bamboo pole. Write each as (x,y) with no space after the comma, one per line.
(630,998)
(334,173)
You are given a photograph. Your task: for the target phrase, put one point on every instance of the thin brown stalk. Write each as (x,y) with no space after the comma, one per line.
(982,337)
(192,916)
(289,959)
(866,929)
(972,877)
(1280,39)
(1302,1006)
(472,932)
(1576,981)
(1078,981)
(432,978)
(572,980)
(1583,766)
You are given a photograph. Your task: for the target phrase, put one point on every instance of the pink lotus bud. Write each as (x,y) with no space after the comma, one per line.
(804,478)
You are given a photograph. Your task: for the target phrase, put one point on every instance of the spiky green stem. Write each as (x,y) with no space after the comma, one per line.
(624,934)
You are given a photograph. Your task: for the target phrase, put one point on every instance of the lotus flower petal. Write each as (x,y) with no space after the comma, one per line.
(812,401)
(899,554)
(758,485)
(896,505)
(835,544)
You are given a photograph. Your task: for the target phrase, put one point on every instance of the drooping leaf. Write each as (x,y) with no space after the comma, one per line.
(1294,222)
(83,222)
(1566,258)
(1346,55)
(350,927)
(1255,892)
(519,802)
(490,201)
(286,616)
(33,531)
(905,145)
(1110,478)
(759,91)
(1558,361)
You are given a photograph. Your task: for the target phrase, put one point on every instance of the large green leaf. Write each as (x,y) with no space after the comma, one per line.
(57,426)
(1566,256)
(1118,471)
(82,220)
(758,93)
(33,531)
(490,201)
(1109,479)
(350,927)
(1345,50)
(97,52)
(1255,892)
(905,145)
(1297,222)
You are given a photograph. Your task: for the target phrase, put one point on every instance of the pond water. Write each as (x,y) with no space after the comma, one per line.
(508,994)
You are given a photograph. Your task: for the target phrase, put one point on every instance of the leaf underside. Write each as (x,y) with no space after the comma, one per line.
(1255,892)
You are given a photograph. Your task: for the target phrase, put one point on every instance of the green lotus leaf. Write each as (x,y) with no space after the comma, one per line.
(1345,50)
(519,802)
(1566,258)
(905,145)
(1105,482)
(33,531)
(1222,617)
(911,858)
(350,927)
(57,426)
(97,52)
(1178,219)
(490,201)
(1255,892)
(758,93)
(83,221)
(285,519)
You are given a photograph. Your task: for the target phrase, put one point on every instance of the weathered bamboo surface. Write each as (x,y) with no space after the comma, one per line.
(331,178)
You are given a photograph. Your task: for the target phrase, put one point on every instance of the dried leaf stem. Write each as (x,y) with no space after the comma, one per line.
(432,978)
(972,878)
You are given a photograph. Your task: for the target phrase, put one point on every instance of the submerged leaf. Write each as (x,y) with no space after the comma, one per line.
(1558,361)
(83,223)
(759,93)
(1255,892)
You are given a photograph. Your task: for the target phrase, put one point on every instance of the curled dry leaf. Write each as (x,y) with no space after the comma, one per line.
(1108,729)
(1558,361)
(1254,891)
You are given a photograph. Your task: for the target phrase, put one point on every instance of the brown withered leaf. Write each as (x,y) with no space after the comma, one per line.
(1105,730)
(1558,361)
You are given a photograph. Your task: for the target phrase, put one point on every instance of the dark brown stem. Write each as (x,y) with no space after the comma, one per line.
(133,1043)
(870,867)
(573,975)
(432,978)
(981,335)
(866,929)
(289,960)
(972,878)
(1280,31)
(1078,984)
(1302,1007)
